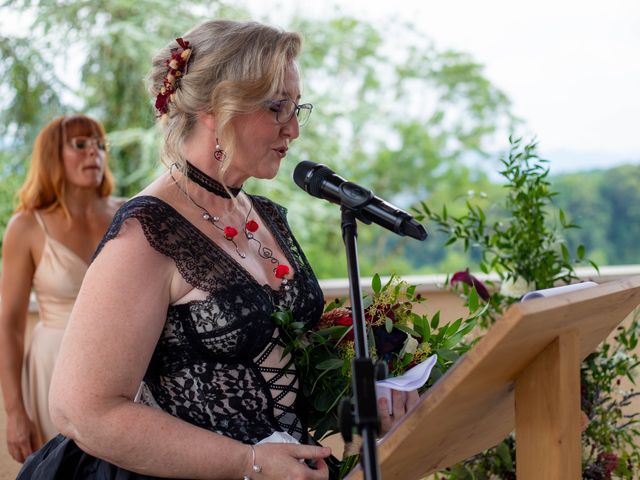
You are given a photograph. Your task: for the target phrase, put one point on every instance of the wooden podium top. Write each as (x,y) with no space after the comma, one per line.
(471,408)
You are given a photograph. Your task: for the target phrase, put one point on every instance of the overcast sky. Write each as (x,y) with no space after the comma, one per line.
(570,67)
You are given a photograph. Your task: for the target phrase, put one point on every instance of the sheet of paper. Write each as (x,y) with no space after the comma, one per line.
(550,292)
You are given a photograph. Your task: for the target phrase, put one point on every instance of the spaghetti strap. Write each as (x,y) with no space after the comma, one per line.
(41,222)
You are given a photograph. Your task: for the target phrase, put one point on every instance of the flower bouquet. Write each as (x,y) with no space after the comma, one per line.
(396,335)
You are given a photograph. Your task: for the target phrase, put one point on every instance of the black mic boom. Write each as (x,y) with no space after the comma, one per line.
(322,182)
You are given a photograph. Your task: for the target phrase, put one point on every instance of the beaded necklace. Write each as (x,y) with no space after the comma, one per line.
(229,232)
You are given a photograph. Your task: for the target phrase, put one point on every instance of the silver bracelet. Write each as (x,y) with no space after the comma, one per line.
(254,467)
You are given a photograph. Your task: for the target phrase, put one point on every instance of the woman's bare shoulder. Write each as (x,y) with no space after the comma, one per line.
(22,231)
(23,223)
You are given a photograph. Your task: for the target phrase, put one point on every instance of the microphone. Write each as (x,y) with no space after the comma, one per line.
(322,182)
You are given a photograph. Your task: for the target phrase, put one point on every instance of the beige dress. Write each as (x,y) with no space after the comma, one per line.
(56,282)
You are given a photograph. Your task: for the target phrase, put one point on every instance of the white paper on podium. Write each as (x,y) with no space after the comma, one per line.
(411,380)
(550,292)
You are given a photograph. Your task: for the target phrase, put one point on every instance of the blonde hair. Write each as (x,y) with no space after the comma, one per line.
(234,67)
(45,185)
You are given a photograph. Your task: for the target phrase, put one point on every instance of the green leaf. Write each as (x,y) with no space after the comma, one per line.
(407,330)
(473,300)
(453,328)
(447,355)
(330,364)
(376,283)
(435,320)
(505,455)
(388,324)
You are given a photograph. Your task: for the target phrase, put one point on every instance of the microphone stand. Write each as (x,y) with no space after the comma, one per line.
(366,418)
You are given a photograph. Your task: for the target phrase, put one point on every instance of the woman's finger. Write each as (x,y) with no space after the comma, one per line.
(310,452)
(399,408)
(412,399)
(386,421)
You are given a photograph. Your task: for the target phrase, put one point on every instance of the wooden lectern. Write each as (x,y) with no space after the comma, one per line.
(524,373)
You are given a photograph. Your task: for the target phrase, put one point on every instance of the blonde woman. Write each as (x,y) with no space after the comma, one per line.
(181,292)
(64,210)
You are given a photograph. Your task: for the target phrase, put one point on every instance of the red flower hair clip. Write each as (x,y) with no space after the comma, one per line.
(177,65)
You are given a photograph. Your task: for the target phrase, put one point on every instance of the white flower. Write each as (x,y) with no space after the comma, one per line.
(619,357)
(515,288)
(410,346)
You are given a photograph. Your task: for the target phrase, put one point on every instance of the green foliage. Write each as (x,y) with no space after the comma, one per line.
(606,204)
(521,238)
(610,439)
(515,238)
(396,335)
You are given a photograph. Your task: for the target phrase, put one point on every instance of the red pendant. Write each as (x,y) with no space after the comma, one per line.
(230,232)
(252,226)
(281,271)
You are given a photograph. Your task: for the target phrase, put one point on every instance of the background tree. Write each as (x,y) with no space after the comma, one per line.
(398,118)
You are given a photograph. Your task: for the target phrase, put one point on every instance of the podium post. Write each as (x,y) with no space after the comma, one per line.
(523,374)
(547,403)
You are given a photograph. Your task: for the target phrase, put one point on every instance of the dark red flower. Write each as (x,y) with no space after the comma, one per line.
(609,461)
(387,343)
(337,317)
(281,271)
(252,225)
(472,281)
(381,311)
(162,103)
(230,232)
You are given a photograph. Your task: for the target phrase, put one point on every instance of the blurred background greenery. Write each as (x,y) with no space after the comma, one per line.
(413,124)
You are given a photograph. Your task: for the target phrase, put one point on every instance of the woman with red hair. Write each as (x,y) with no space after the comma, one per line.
(64,210)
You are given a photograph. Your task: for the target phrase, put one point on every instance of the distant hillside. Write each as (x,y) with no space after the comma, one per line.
(606,205)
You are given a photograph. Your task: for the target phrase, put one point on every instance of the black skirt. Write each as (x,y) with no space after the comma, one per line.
(62,459)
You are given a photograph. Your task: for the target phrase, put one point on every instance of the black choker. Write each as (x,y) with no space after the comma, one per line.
(209,184)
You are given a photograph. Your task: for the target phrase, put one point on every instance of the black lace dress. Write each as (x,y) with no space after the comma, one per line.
(218,362)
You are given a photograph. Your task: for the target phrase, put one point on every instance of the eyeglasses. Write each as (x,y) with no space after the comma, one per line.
(83,143)
(285,109)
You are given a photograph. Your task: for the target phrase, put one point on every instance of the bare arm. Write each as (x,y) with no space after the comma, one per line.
(17,277)
(115,325)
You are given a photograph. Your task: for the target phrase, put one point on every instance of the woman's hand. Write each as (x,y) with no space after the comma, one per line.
(402,402)
(20,436)
(285,461)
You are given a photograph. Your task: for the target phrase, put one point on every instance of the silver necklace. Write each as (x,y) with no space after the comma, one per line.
(248,228)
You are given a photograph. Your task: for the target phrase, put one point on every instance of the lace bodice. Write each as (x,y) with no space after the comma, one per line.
(218,363)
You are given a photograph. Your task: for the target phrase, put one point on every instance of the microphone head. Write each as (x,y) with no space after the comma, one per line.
(309,175)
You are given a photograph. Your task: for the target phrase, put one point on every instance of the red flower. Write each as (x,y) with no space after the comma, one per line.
(472,281)
(337,317)
(252,225)
(281,271)
(162,102)
(230,232)
(609,462)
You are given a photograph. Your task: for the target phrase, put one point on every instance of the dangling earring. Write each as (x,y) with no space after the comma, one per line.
(219,154)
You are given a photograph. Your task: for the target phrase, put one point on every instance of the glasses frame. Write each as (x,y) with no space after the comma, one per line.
(100,143)
(275,107)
